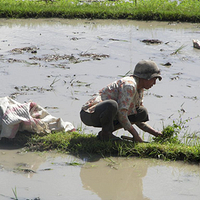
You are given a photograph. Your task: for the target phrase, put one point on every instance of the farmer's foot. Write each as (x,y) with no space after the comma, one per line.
(106,136)
(127,138)
(130,139)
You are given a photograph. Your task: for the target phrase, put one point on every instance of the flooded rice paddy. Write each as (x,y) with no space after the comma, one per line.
(59,64)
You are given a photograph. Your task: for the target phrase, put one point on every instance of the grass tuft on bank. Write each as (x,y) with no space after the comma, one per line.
(168,147)
(161,10)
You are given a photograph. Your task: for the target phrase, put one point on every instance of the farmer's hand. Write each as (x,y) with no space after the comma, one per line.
(145,127)
(135,135)
(157,133)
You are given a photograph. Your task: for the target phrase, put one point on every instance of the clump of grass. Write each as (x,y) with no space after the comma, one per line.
(75,143)
(170,135)
(167,147)
(169,151)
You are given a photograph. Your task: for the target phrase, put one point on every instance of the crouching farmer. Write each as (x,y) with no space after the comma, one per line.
(119,104)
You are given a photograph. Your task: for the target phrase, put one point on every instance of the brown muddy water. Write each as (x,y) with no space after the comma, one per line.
(59,64)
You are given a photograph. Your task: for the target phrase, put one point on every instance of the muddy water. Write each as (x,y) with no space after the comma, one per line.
(52,176)
(60,63)
(133,178)
(63,84)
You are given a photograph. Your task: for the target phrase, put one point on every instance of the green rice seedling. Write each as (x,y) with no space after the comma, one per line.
(126,74)
(15,193)
(171,132)
(178,50)
(54,81)
(136,2)
(191,139)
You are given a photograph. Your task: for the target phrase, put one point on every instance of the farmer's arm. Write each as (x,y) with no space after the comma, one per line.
(135,134)
(145,127)
(127,92)
(123,119)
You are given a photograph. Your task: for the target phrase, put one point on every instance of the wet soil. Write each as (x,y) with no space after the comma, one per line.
(59,64)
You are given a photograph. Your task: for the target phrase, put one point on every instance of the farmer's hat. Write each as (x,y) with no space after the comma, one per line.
(147,69)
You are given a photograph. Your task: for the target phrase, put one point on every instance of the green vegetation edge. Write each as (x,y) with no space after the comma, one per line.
(169,147)
(160,10)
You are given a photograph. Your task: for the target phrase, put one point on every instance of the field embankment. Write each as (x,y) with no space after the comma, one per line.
(162,10)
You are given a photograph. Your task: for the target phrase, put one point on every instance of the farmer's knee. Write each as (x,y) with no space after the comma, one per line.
(142,114)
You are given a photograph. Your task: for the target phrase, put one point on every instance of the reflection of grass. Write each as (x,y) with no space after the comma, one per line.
(74,163)
(165,10)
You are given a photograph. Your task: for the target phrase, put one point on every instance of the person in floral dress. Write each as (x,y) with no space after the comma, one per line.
(119,104)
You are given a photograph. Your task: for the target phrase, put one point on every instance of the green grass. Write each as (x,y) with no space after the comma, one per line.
(165,10)
(168,147)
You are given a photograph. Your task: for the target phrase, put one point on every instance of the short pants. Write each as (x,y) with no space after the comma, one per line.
(105,116)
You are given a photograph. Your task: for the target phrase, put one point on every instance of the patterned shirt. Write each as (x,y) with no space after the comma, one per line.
(125,93)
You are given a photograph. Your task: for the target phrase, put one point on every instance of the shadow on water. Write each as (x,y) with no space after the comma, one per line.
(15,143)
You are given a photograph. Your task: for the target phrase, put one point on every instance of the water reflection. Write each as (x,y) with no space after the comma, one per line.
(106,179)
(115,178)
(141,179)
